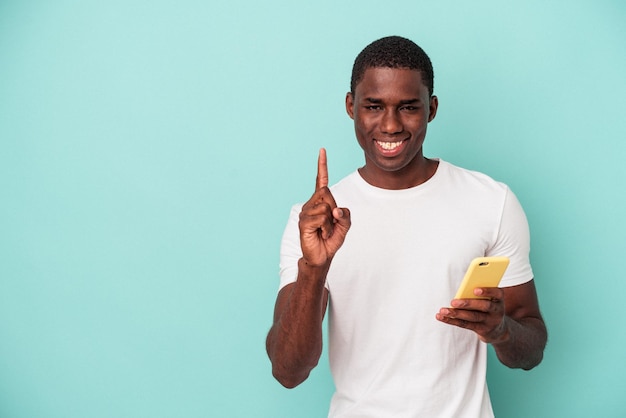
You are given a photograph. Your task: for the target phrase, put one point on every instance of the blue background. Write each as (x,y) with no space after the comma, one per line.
(150,152)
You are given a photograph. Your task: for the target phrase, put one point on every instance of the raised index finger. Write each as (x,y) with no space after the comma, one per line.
(322,170)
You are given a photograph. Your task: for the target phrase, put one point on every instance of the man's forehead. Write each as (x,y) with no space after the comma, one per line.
(384,79)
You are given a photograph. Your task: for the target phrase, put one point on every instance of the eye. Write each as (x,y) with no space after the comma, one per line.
(409,108)
(373,107)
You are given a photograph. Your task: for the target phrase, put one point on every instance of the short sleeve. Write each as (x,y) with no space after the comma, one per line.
(513,241)
(290,251)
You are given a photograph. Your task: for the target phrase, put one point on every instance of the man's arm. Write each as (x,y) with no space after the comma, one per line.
(525,335)
(294,343)
(509,319)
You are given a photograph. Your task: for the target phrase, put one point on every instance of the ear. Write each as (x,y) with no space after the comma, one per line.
(434,104)
(350,104)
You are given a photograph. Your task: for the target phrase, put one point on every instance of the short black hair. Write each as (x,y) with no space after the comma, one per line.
(393,52)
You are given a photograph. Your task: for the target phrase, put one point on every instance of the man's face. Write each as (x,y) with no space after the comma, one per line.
(391,108)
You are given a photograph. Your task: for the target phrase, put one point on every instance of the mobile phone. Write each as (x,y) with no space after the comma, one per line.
(482,272)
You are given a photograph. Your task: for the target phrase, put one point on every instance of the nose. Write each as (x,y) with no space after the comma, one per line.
(391,123)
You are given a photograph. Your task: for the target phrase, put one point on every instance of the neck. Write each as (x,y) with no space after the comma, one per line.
(420,171)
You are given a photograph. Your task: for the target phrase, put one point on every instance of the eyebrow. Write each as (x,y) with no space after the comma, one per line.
(402,102)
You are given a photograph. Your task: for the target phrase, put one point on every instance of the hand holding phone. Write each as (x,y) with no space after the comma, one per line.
(482,272)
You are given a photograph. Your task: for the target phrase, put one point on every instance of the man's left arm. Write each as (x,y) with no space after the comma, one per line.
(509,319)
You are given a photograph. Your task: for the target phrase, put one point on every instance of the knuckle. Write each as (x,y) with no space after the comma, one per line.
(495,305)
(475,316)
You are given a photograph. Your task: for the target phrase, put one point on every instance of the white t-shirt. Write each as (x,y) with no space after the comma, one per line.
(403,259)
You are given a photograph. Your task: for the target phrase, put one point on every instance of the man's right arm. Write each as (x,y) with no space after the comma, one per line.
(294,343)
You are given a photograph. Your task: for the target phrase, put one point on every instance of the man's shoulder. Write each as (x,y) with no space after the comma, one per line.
(466,177)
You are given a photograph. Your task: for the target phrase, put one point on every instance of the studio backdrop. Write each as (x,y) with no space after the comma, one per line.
(150,152)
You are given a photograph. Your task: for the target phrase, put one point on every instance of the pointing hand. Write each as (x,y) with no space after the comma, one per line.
(323,225)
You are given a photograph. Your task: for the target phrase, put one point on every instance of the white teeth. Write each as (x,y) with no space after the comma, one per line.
(389,145)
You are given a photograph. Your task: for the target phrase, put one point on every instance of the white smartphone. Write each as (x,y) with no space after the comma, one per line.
(482,272)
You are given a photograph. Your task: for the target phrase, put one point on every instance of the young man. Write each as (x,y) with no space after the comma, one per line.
(389,259)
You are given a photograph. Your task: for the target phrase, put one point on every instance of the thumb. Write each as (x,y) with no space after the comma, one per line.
(342,216)
(340,229)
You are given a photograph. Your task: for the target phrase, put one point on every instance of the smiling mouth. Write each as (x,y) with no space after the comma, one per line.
(389,146)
